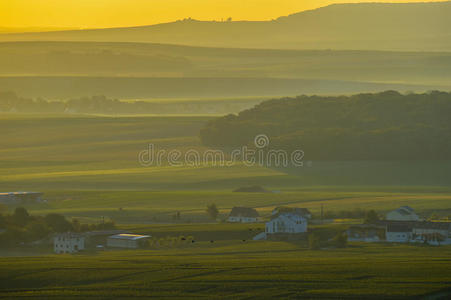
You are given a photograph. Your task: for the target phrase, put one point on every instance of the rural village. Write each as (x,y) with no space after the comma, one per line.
(284,223)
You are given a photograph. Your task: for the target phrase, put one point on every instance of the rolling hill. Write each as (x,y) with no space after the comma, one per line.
(144,70)
(163,60)
(66,87)
(375,26)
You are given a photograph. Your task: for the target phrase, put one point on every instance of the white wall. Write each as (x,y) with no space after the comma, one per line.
(65,244)
(284,224)
(242,220)
(396,216)
(399,237)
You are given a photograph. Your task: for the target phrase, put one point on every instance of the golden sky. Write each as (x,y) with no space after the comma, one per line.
(117,13)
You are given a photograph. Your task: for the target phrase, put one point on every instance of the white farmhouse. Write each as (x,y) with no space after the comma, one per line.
(68,243)
(125,240)
(286,223)
(404,213)
(243,215)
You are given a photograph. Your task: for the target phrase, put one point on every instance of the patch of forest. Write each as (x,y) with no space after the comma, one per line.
(372,126)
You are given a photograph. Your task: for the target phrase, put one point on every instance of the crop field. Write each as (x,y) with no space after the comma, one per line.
(234,269)
(151,207)
(83,152)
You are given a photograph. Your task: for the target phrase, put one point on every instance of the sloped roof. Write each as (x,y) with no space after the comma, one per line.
(405,211)
(292,210)
(104,232)
(433,225)
(244,212)
(392,226)
(19,193)
(408,208)
(289,216)
(128,236)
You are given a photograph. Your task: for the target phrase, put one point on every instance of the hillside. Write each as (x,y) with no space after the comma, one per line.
(162,60)
(383,126)
(375,26)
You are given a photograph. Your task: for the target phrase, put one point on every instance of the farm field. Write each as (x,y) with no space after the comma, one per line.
(234,269)
(85,152)
(88,167)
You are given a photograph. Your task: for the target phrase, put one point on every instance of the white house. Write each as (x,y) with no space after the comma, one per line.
(126,240)
(404,213)
(398,233)
(68,243)
(286,223)
(243,215)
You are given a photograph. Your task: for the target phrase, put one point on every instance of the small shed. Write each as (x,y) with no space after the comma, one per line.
(127,241)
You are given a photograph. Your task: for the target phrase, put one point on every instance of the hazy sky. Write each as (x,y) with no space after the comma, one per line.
(115,13)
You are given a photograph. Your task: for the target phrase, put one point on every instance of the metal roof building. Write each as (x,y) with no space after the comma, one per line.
(127,241)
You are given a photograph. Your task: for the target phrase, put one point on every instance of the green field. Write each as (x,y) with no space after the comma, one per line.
(87,166)
(234,269)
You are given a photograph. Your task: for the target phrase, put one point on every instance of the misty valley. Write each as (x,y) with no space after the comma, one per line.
(303,157)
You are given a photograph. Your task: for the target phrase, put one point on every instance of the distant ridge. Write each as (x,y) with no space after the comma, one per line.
(364,26)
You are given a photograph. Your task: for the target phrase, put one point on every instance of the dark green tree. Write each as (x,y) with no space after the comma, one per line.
(341,240)
(20,216)
(212,211)
(314,241)
(58,223)
(371,217)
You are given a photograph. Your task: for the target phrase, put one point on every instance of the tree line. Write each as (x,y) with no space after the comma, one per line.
(21,228)
(10,102)
(372,126)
